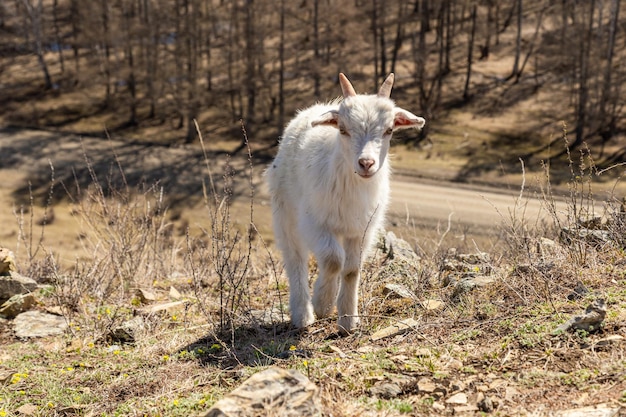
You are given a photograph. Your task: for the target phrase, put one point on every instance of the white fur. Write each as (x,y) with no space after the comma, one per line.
(329,186)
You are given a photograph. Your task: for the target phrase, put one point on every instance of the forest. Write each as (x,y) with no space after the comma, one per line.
(148,68)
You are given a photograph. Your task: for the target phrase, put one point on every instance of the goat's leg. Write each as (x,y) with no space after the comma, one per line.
(330,258)
(300,305)
(347,301)
(295,258)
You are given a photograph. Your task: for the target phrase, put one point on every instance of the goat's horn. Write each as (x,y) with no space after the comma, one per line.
(385,89)
(346,87)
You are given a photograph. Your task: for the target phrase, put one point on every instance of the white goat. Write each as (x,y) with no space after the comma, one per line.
(329,185)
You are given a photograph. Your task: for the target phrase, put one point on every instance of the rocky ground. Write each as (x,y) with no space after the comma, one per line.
(541,333)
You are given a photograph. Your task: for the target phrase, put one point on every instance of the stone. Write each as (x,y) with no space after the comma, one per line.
(485,404)
(27,410)
(14,284)
(590,321)
(7,262)
(510,393)
(398,291)
(597,238)
(432,305)
(396,247)
(398,263)
(599,410)
(386,390)
(175,294)
(269,317)
(146,296)
(468,284)
(399,327)
(274,391)
(128,331)
(457,385)
(37,324)
(464,409)
(16,305)
(578,292)
(459,398)
(426,386)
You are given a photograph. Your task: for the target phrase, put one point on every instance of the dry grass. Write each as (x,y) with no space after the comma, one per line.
(497,340)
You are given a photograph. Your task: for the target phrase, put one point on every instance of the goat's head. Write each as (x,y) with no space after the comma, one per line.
(366,123)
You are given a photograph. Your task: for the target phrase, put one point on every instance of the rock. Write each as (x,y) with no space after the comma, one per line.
(175,294)
(597,238)
(128,331)
(600,410)
(275,391)
(438,406)
(468,284)
(398,248)
(423,353)
(398,291)
(485,404)
(510,393)
(399,262)
(7,262)
(432,305)
(465,409)
(457,399)
(590,321)
(268,318)
(14,284)
(454,364)
(474,258)
(457,385)
(386,390)
(426,386)
(338,351)
(579,291)
(37,324)
(398,328)
(466,271)
(16,305)
(146,296)
(27,410)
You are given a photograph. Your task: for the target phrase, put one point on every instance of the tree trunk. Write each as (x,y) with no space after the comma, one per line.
(583,83)
(518,40)
(470,50)
(607,97)
(35,14)
(250,63)
(281,71)
(57,36)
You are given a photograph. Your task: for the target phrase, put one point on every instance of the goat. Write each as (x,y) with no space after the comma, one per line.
(329,187)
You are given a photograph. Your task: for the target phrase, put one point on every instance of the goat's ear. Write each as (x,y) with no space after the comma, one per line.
(404,119)
(330,118)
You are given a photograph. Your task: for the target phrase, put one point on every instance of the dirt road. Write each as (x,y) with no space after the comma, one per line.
(481,207)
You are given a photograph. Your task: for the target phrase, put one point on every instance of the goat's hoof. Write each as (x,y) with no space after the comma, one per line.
(303,321)
(347,325)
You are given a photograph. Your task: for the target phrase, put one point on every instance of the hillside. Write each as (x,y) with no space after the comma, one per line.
(155,288)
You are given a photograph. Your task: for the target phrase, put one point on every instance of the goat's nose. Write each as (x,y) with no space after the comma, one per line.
(366,163)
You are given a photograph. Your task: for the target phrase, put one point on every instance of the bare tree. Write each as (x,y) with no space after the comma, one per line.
(470,54)
(35,15)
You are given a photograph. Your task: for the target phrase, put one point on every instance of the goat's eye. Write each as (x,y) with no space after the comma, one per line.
(389,131)
(343,131)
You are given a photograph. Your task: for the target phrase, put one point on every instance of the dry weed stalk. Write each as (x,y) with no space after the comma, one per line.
(221,260)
